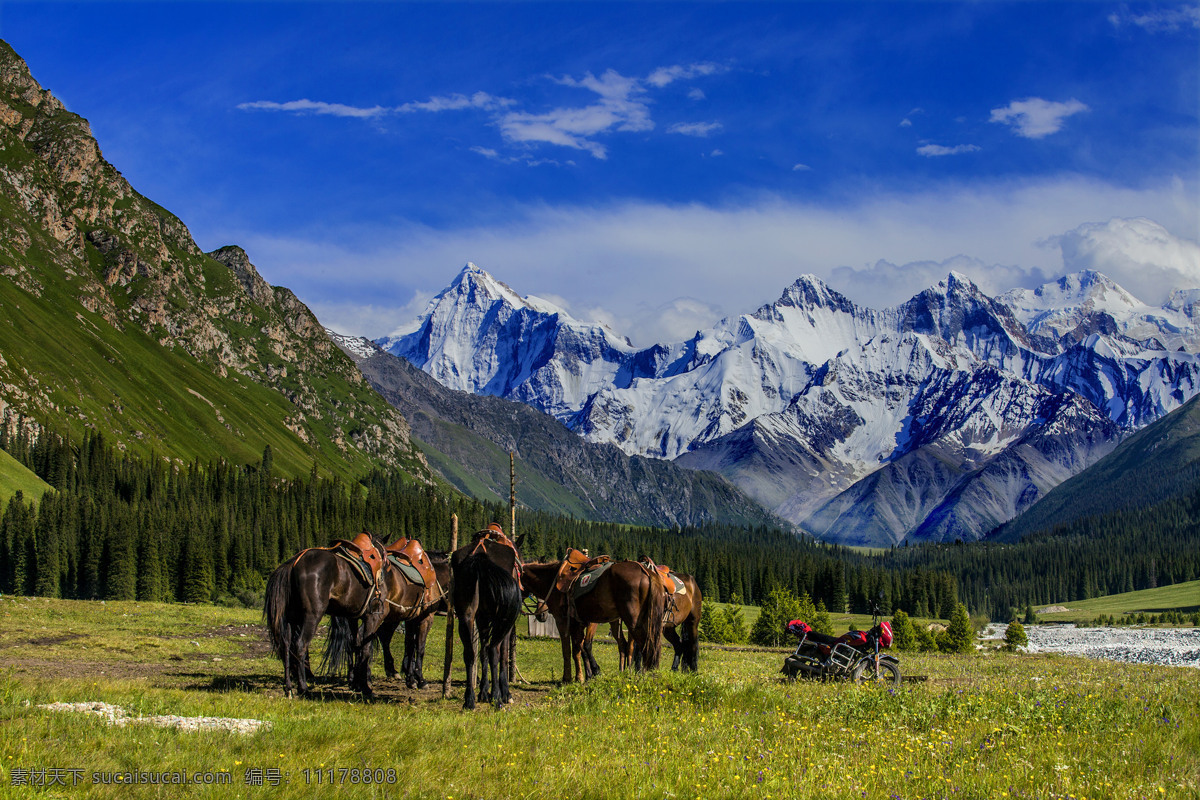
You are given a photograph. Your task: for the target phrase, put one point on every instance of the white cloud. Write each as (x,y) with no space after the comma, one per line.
(696,94)
(1035,118)
(457,102)
(1162,20)
(801,168)
(633,258)
(906,123)
(1135,253)
(700,129)
(934,150)
(717,153)
(664,76)
(315,107)
(622,107)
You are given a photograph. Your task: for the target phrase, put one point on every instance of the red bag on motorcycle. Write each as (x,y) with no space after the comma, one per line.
(798,628)
(885,634)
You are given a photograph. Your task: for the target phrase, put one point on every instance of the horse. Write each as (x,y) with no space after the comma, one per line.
(408,602)
(683,612)
(538,580)
(486,595)
(625,593)
(306,587)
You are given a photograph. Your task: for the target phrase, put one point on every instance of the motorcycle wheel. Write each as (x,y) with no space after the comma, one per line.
(888,673)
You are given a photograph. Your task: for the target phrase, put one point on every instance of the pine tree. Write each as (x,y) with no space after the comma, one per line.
(713,625)
(960,636)
(780,607)
(903,632)
(1014,636)
(734,621)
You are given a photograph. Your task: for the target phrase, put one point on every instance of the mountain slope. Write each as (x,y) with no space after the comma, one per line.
(468,439)
(1157,463)
(116,322)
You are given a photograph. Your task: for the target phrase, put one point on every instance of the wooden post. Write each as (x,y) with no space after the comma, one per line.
(450,613)
(512,534)
(512,498)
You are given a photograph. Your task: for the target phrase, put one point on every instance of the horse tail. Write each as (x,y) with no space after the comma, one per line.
(275,608)
(339,648)
(499,598)
(654,609)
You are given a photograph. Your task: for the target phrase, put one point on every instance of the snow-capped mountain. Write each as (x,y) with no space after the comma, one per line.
(938,418)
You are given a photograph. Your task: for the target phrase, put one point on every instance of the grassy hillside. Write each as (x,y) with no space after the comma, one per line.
(114,321)
(15,477)
(1183,597)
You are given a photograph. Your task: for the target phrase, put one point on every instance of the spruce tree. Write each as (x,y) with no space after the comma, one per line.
(903,632)
(960,636)
(780,607)
(1014,636)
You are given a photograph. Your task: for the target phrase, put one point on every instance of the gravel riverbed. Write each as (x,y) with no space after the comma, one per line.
(1175,647)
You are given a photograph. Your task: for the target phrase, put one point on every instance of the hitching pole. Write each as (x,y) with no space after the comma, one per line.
(450,613)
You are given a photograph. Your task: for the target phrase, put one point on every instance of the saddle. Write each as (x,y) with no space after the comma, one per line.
(405,552)
(575,564)
(671,583)
(494,533)
(362,553)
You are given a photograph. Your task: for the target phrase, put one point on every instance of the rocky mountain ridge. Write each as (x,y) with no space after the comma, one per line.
(939,418)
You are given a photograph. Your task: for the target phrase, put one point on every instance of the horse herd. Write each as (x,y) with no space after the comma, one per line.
(368,589)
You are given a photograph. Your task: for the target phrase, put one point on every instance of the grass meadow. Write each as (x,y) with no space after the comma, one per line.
(992,725)
(1183,597)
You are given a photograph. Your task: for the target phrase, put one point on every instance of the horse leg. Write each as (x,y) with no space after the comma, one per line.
(466,634)
(386,631)
(564,638)
(591,667)
(577,633)
(288,634)
(503,697)
(420,636)
(305,632)
(672,636)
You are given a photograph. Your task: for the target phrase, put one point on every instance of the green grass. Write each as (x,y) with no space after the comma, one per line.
(1183,597)
(15,477)
(980,726)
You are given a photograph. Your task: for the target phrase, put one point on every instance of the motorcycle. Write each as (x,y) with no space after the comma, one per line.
(852,656)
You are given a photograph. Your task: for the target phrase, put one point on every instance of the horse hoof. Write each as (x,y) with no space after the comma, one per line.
(422,684)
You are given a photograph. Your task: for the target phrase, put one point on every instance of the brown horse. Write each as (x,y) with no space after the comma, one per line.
(538,579)
(624,593)
(486,595)
(417,622)
(409,602)
(304,589)
(683,613)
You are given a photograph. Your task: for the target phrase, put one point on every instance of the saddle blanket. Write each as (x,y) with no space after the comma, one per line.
(410,572)
(587,580)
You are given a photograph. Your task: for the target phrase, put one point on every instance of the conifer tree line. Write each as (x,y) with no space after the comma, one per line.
(118,527)
(122,528)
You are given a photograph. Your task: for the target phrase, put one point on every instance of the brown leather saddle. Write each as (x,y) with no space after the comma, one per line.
(410,552)
(575,564)
(495,534)
(671,583)
(362,553)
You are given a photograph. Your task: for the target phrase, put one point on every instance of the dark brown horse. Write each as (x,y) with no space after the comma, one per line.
(409,602)
(683,614)
(486,595)
(304,589)
(625,593)
(538,579)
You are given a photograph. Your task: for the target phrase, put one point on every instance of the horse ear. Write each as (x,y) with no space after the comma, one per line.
(520,541)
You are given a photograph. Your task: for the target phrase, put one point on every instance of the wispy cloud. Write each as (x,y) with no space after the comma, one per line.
(1035,118)
(457,102)
(664,76)
(315,107)
(801,168)
(1161,20)
(701,129)
(935,150)
(621,105)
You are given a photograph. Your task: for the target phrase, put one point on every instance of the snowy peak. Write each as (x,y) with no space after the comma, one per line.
(1085,303)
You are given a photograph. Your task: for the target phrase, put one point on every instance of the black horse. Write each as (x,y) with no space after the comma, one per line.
(486,593)
(304,589)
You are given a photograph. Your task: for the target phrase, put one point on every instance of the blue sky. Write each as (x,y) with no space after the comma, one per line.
(654,166)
